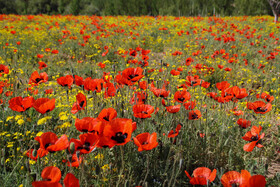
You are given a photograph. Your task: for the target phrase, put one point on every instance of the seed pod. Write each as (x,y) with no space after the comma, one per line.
(34,153)
(72,147)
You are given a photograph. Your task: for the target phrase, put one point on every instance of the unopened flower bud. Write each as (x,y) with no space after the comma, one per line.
(72,147)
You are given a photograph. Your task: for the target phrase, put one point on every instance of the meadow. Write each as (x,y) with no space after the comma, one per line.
(139,101)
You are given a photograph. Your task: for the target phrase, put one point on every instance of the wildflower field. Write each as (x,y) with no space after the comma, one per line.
(139,101)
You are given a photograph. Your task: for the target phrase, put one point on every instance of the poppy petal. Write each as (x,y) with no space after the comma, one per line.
(250,146)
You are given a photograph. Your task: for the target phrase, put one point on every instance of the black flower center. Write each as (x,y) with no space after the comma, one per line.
(194,116)
(193,83)
(133,76)
(254,138)
(144,112)
(261,109)
(106,118)
(86,146)
(181,99)
(81,104)
(47,145)
(119,137)
(38,80)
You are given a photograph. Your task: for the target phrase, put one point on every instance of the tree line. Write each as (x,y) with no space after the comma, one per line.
(137,7)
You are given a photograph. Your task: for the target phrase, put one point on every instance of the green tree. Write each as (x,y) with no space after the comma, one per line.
(275,7)
(75,7)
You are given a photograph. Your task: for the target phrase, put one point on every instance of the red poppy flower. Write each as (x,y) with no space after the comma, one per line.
(93,84)
(130,76)
(220,66)
(212,94)
(145,52)
(79,81)
(71,181)
(142,111)
(49,91)
(139,98)
(238,112)
(54,51)
(194,115)
(174,72)
(51,176)
(257,181)
(177,53)
(232,178)
(193,81)
(107,114)
(234,93)
(20,104)
(89,124)
(201,176)
(80,104)
(143,85)
(201,135)
(65,81)
(243,123)
(146,141)
(101,65)
(227,69)
(189,61)
(265,96)
(50,142)
(190,105)
(254,138)
(86,143)
(110,90)
(44,105)
(205,84)
(222,85)
(159,92)
(8,93)
(105,142)
(173,109)
(259,107)
(3,69)
(39,153)
(42,65)
(180,69)
(40,56)
(36,79)
(119,131)
(182,96)
(133,53)
(173,134)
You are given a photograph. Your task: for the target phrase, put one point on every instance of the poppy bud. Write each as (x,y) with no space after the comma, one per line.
(72,147)
(34,153)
